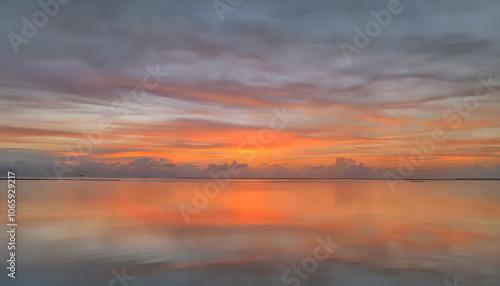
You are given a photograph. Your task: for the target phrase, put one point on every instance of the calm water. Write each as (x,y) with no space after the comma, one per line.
(254,231)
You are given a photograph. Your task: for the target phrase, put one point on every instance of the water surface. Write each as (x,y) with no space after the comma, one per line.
(253,231)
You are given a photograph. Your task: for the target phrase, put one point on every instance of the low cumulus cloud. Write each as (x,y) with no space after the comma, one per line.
(35,163)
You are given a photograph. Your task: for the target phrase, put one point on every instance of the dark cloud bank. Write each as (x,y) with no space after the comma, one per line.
(35,164)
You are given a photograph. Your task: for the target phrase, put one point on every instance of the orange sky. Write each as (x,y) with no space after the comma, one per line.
(313,135)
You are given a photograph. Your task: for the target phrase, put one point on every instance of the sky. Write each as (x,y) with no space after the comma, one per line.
(185,88)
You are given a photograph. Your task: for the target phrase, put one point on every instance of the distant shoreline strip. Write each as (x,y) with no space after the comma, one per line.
(358,179)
